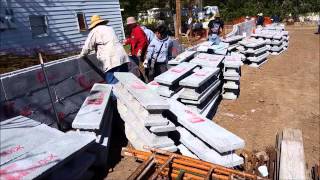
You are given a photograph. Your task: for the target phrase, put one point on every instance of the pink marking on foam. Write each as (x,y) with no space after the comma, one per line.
(200,73)
(177,70)
(155,83)
(194,118)
(11,150)
(97,100)
(138,85)
(41,79)
(14,172)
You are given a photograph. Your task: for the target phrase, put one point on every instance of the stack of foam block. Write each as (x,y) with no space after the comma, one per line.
(183,57)
(286,37)
(233,42)
(141,109)
(209,47)
(32,150)
(231,77)
(203,138)
(169,80)
(201,90)
(273,39)
(207,60)
(95,117)
(276,43)
(95,114)
(255,50)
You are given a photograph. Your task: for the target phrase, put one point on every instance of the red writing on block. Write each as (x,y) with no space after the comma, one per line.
(11,150)
(200,73)
(21,169)
(41,78)
(177,70)
(155,83)
(96,99)
(194,118)
(138,85)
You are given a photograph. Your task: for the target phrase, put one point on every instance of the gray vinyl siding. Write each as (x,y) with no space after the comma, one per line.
(63,33)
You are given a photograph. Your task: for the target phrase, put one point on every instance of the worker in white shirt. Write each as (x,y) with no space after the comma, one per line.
(110,52)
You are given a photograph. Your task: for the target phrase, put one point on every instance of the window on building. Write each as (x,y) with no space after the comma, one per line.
(81,21)
(38,25)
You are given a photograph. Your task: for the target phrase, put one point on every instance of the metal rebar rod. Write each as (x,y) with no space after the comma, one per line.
(49,91)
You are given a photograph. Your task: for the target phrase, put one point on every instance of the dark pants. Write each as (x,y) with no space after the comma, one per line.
(159,68)
(109,75)
(139,62)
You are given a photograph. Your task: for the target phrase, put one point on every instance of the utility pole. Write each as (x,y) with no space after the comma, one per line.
(178,19)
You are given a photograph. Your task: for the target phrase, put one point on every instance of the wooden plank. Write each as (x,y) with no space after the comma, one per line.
(292,160)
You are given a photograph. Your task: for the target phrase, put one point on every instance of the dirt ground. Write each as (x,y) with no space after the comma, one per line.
(283,93)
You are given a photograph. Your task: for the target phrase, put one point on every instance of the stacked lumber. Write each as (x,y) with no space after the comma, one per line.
(231,77)
(169,80)
(201,90)
(162,165)
(141,109)
(32,150)
(255,50)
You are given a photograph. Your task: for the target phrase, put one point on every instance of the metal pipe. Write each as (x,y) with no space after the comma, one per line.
(49,91)
(205,166)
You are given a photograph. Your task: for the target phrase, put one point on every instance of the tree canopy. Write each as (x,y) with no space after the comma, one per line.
(230,9)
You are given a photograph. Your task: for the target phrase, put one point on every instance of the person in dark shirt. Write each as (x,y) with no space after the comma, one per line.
(260,19)
(216,29)
(275,19)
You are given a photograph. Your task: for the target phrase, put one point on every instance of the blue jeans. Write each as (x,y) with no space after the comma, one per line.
(214,38)
(109,75)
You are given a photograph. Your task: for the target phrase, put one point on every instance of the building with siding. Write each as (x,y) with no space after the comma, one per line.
(52,26)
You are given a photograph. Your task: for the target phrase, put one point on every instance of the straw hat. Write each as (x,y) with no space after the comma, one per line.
(95,20)
(217,15)
(131,20)
(260,14)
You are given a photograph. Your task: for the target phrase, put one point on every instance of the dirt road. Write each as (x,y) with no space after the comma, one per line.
(284,92)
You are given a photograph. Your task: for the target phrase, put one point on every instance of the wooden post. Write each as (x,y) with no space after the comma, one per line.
(178,19)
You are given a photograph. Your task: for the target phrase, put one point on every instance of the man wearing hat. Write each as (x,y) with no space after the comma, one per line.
(260,20)
(110,52)
(138,42)
(216,29)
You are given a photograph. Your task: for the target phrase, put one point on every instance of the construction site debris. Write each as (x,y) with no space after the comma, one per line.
(166,164)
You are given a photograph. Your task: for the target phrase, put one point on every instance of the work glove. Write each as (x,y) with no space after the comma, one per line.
(145,64)
(139,53)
